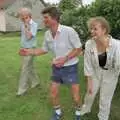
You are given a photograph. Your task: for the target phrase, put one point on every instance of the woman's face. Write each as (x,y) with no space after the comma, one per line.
(97,31)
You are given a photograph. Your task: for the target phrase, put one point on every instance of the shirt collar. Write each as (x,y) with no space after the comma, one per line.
(31,21)
(59,28)
(110,40)
(110,43)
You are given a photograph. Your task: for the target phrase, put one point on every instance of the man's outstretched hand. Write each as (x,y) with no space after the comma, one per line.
(25,52)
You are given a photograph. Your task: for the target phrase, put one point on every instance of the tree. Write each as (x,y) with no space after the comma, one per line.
(77,18)
(79,2)
(68,4)
(110,10)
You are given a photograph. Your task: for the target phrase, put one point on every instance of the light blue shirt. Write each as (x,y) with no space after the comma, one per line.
(25,42)
(65,41)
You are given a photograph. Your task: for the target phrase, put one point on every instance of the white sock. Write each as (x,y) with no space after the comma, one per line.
(58,111)
(77,112)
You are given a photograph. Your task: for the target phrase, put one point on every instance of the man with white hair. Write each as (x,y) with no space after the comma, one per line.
(28,41)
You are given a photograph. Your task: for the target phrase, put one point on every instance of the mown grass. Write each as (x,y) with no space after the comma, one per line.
(35,105)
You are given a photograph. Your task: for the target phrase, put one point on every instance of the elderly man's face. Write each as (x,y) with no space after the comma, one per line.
(25,18)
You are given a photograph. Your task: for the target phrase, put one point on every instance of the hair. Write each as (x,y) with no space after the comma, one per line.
(25,11)
(104,23)
(53,12)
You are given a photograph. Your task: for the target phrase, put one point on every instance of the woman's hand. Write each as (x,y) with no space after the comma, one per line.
(90,86)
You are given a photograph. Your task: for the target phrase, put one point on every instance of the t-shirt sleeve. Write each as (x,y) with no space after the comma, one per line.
(74,39)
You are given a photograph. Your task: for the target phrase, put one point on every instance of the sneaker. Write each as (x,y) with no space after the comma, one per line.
(77,117)
(84,110)
(56,116)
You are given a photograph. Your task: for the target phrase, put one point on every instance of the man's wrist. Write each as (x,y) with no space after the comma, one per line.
(66,58)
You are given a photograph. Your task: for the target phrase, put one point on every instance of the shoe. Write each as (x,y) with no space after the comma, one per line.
(56,116)
(77,117)
(84,110)
(36,85)
(21,93)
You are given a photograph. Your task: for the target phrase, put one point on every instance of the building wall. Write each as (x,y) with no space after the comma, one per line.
(2,20)
(13,23)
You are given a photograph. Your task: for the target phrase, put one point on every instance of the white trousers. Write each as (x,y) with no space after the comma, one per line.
(106,82)
(28,74)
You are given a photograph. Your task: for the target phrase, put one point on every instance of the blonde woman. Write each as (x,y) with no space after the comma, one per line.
(101,66)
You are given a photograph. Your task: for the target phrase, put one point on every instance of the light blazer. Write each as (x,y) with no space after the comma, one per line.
(91,62)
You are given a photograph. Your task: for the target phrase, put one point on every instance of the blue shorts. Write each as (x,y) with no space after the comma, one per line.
(66,74)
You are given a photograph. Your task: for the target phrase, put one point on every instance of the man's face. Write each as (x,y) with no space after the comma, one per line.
(48,20)
(25,18)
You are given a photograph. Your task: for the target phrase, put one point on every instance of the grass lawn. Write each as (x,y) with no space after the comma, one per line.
(35,105)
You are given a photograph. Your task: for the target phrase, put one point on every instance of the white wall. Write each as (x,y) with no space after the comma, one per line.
(2,21)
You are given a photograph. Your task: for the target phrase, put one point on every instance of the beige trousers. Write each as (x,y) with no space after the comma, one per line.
(28,74)
(106,82)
